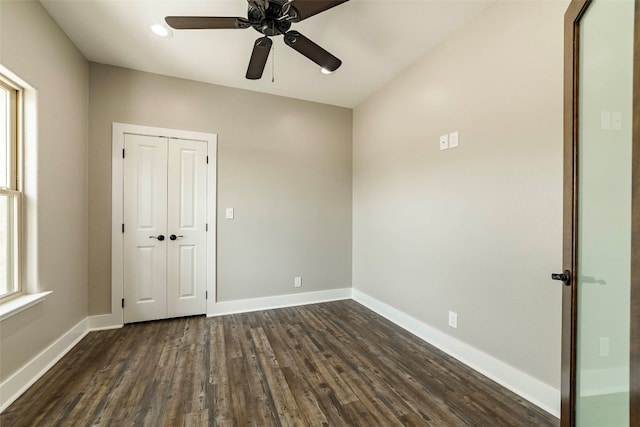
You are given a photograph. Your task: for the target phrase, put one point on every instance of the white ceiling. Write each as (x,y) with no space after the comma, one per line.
(376,39)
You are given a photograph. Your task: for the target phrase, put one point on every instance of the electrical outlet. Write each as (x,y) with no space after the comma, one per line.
(453,319)
(297,282)
(604,346)
(453,139)
(229,213)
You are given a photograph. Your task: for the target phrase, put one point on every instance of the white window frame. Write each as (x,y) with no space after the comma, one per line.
(14,188)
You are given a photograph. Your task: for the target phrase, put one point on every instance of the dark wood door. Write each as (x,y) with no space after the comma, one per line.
(574,328)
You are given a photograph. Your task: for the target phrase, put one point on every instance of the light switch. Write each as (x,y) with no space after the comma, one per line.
(444,142)
(453,139)
(229,213)
(605,120)
(616,120)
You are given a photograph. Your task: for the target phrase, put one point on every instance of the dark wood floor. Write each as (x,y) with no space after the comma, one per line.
(333,364)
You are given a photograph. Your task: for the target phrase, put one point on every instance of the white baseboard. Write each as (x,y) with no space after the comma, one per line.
(103,322)
(280,301)
(532,389)
(610,380)
(19,382)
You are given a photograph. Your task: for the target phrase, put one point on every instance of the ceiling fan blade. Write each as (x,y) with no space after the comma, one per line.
(259,57)
(308,8)
(206,22)
(306,47)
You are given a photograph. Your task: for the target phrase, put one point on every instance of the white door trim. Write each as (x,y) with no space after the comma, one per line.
(117,199)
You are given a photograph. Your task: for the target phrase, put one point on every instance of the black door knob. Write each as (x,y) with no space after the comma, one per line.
(159,237)
(174,237)
(564,277)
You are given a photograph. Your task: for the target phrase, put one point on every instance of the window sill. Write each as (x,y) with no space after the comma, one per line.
(16,305)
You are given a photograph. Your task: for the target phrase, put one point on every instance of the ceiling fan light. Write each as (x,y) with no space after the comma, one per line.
(161,30)
(329,65)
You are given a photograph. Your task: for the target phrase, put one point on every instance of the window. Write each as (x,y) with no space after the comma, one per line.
(10,189)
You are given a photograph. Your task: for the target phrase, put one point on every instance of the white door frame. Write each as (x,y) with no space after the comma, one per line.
(117,209)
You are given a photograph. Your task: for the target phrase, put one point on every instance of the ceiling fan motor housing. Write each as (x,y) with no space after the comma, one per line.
(269,22)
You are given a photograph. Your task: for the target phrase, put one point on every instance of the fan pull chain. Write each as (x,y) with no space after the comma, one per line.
(273,64)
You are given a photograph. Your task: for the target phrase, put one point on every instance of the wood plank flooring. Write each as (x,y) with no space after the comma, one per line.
(332,364)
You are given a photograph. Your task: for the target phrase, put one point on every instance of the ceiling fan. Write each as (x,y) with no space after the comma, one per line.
(270,18)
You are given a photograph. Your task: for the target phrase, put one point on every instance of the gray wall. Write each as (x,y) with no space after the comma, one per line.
(284,165)
(33,47)
(476,229)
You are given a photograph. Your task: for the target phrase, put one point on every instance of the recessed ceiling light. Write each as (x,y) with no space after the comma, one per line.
(325,71)
(161,30)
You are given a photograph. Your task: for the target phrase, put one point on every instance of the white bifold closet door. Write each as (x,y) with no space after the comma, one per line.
(165,202)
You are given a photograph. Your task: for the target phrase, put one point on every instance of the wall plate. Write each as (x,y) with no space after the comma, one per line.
(444,142)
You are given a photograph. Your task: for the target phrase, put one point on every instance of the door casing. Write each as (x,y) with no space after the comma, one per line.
(119,130)
(573,16)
